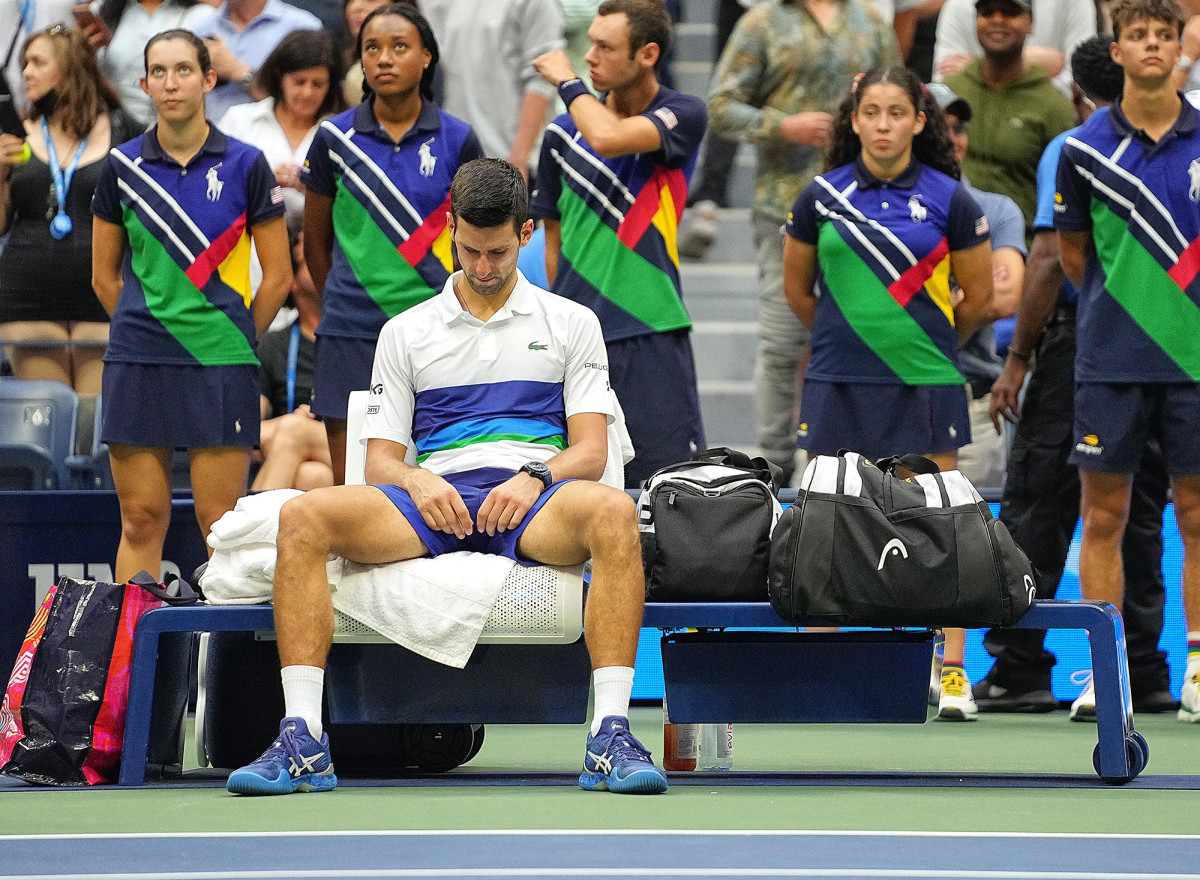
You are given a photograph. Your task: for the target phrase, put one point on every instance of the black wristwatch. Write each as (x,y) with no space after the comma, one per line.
(540,470)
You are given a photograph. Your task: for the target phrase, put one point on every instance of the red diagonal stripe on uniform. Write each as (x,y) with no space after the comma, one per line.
(639,217)
(907,285)
(213,255)
(1184,272)
(418,244)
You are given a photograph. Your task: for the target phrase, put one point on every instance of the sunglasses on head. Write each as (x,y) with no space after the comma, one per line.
(1008,10)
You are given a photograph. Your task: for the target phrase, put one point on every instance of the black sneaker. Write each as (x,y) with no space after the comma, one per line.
(1153,702)
(991,697)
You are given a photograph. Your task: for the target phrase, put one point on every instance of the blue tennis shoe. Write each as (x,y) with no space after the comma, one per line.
(616,761)
(294,762)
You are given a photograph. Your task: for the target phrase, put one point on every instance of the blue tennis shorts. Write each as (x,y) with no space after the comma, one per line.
(340,365)
(474,487)
(654,377)
(172,406)
(1113,422)
(878,420)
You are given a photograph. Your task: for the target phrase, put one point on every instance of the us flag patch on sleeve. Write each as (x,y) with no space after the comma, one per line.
(669,118)
(981,226)
(276,195)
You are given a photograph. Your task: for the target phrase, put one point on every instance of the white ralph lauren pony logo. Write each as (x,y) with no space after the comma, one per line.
(428,160)
(214,186)
(1194,174)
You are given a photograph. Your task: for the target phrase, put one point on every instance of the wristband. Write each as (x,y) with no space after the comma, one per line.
(571,89)
(1018,354)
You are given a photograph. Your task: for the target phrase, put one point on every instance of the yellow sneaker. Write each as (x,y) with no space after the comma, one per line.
(956,703)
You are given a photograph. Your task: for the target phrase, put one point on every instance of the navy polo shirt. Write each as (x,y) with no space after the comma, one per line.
(186,293)
(391,248)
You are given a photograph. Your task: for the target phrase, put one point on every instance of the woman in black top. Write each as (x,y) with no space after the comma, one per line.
(50,319)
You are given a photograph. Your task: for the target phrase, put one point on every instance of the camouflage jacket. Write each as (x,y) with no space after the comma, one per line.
(779,61)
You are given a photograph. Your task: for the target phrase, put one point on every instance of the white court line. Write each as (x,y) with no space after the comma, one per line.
(619,872)
(600,832)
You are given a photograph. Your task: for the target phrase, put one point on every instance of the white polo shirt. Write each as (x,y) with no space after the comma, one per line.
(471,395)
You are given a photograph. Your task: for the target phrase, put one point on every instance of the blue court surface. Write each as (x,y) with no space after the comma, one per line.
(609,853)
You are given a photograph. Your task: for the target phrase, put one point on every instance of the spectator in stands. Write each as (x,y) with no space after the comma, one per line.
(478,487)
(300,79)
(1187,74)
(49,316)
(492,83)
(176,210)
(377,179)
(240,35)
(1058,27)
(295,452)
(1041,493)
(612,181)
(780,78)
(356,12)
(1017,111)
(878,233)
(119,31)
(983,460)
(1126,218)
(18,23)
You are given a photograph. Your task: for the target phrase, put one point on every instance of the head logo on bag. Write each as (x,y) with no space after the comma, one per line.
(896,548)
(1030,588)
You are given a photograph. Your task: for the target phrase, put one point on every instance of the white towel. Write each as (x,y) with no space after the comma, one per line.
(253,520)
(434,607)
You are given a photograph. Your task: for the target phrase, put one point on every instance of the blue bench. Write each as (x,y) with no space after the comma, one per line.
(694,692)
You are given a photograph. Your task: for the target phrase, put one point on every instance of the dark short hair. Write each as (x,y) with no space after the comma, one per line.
(202,56)
(1125,12)
(424,31)
(1095,72)
(301,50)
(648,22)
(490,192)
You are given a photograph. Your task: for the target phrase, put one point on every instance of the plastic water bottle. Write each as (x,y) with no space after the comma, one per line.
(716,747)
(681,743)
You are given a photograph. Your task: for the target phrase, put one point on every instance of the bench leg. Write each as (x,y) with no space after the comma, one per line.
(1121,751)
(142,665)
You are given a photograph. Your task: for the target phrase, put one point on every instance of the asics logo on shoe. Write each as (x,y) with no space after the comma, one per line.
(308,764)
(896,548)
(603,764)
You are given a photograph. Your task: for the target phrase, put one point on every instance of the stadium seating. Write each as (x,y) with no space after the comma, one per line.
(37,432)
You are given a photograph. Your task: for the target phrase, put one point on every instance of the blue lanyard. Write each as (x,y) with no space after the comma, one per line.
(293,355)
(27,14)
(61,225)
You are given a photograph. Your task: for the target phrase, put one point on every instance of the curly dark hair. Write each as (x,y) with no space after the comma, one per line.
(1094,70)
(931,147)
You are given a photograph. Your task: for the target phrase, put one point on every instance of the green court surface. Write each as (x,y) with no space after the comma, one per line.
(1009,774)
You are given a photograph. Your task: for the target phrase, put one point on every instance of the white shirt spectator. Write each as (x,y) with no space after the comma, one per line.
(256,125)
(1057,24)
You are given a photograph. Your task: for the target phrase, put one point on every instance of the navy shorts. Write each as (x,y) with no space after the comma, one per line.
(341,365)
(878,420)
(473,486)
(171,406)
(1113,422)
(654,377)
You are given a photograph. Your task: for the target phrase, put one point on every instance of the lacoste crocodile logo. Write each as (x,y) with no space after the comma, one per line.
(535,346)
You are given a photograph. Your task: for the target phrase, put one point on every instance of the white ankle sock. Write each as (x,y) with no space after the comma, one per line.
(302,689)
(613,685)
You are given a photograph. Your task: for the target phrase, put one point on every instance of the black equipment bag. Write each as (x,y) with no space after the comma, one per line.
(864,547)
(706,526)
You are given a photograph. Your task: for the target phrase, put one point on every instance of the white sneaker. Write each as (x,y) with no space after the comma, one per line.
(1189,700)
(956,703)
(698,230)
(1084,707)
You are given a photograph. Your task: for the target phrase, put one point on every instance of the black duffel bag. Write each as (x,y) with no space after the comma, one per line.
(705,527)
(862,546)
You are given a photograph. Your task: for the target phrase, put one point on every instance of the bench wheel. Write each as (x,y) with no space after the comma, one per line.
(436,748)
(1137,753)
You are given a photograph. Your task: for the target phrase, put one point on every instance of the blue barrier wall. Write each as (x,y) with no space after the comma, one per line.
(48,535)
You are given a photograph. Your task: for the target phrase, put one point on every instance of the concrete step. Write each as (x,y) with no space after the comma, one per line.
(694,41)
(724,350)
(734,242)
(727,407)
(700,10)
